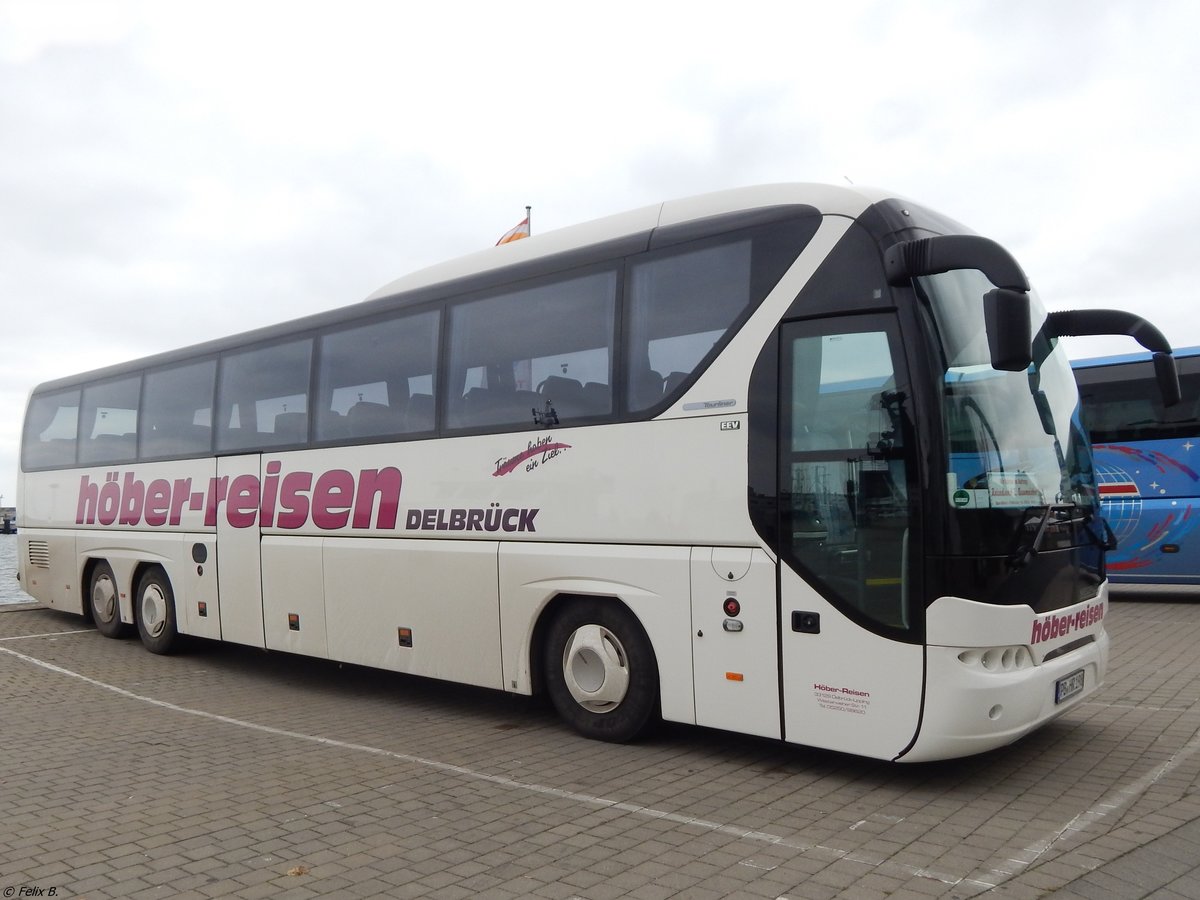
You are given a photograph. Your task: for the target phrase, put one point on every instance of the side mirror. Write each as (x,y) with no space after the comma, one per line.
(1074,323)
(1005,309)
(1010,338)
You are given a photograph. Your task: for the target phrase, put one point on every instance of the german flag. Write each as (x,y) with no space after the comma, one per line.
(518,231)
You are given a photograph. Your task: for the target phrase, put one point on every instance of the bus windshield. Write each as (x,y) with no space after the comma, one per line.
(1014,440)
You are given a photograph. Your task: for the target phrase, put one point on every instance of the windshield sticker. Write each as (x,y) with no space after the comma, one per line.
(998,490)
(1013,490)
(537,453)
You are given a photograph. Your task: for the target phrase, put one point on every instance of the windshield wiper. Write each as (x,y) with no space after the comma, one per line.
(1109,541)
(1025,552)
(1062,514)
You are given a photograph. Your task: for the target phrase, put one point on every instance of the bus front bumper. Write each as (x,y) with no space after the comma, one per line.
(970,708)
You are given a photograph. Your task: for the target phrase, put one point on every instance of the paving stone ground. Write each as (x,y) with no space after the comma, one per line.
(231,772)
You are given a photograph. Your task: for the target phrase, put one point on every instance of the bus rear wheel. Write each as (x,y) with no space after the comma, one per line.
(156,612)
(104,603)
(601,673)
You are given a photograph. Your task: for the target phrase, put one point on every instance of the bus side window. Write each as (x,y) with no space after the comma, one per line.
(367,377)
(514,353)
(257,390)
(109,421)
(50,429)
(681,306)
(1129,409)
(177,410)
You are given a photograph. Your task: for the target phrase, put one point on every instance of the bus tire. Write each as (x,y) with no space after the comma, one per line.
(600,671)
(155,607)
(104,601)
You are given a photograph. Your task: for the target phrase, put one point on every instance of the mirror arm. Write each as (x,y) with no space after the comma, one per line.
(1087,322)
(946,252)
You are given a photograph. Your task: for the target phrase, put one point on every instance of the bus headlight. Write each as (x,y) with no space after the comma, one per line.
(997,659)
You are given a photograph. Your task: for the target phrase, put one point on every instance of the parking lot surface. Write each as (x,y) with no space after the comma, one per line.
(231,772)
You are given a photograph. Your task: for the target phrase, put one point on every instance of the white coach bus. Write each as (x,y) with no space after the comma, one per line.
(795,461)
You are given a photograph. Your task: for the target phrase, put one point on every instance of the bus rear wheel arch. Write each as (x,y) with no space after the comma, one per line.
(154,609)
(104,600)
(599,669)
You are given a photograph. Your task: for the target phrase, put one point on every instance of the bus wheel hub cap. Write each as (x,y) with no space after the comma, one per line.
(154,610)
(596,669)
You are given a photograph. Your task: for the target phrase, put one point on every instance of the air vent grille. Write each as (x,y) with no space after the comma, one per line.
(39,554)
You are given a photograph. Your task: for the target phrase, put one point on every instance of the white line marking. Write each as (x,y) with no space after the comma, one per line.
(26,637)
(1137,706)
(1113,802)
(737,831)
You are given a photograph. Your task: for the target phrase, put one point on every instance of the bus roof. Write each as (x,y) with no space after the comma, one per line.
(825,199)
(606,238)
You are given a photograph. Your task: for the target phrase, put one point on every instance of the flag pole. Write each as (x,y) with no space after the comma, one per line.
(528,220)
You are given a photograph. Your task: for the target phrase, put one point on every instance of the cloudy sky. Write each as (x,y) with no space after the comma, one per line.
(176,171)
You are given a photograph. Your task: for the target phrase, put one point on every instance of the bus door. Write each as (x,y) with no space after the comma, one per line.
(849,538)
(239,567)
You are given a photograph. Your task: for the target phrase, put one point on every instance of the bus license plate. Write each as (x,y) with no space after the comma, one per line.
(1068,687)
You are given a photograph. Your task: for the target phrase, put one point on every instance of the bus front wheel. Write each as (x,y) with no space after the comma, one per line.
(156,612)
(601,673)
(104,602)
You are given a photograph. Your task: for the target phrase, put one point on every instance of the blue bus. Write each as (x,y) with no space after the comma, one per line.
(1147,460)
